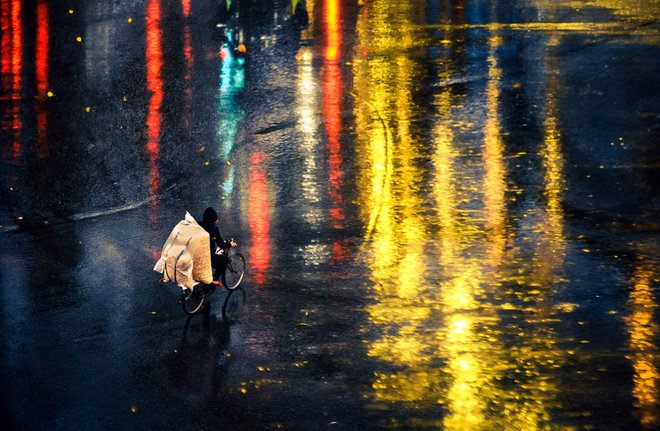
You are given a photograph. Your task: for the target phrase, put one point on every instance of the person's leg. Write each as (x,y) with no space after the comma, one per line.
(219,263)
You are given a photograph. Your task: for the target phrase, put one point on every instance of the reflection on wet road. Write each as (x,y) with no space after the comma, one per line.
(449,212)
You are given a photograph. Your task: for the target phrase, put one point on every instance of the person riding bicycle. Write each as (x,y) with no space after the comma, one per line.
(210,224)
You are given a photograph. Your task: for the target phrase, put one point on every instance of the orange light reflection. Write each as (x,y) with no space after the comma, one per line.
(187,50)
(644,354)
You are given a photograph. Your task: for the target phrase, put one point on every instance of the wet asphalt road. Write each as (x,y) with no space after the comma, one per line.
(449,212)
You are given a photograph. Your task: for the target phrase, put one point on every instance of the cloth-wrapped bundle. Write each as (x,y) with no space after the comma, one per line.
(186,255)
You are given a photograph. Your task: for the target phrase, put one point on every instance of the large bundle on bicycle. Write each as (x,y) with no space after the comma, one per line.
(186,256)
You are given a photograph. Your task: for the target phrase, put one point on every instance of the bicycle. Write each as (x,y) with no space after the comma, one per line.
(235,270)
(192,300)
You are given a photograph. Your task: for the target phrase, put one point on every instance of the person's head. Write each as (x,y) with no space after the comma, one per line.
(210,216)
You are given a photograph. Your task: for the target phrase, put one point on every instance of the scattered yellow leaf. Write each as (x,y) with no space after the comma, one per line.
(79,39)
(50,94)
(133,409)
(130,19)
(302,324)
(88,109)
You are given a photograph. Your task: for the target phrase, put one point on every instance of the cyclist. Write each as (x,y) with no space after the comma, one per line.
(210,224)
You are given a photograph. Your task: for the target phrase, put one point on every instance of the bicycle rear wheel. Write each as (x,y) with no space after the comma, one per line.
(234,272)
(192,301)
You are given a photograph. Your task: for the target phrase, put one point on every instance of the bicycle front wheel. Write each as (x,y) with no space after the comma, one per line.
(192,301)
(234,272)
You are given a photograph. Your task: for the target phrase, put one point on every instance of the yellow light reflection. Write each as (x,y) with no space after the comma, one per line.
(441,285)
(628,8)
(645,356)
(552,249)
(334,37)
(391,205)
(493,155)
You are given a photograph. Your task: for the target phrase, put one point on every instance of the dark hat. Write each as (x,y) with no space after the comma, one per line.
(210,216)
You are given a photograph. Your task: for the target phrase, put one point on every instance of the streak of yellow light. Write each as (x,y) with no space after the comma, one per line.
(644,356)
(493,156)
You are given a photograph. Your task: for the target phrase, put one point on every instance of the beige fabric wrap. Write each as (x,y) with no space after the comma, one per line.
(186,255)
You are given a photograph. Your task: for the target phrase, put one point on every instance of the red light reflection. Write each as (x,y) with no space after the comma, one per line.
(155,85)
(41,66)
(12,64)
(332,109)
(258,218)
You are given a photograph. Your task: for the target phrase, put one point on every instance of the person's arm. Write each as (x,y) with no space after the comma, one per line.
(218,239)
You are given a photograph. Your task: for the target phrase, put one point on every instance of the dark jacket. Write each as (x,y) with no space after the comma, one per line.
(208,223)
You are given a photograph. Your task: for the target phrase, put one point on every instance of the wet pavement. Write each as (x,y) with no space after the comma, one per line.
(449,212)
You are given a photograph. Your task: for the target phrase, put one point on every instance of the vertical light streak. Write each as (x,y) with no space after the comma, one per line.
(232,80)
(493,157)
(41,66)
(12,65)
(461,342)
(5,20)
(530,405)
(17,46)
(389,195)
(187,51)
(409,177)
(312,211)
(644,355)
(332,20)
(155,85)
(332,108)
(308,106)
(258,218)
(553,162)
(444,189)
(7,81)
